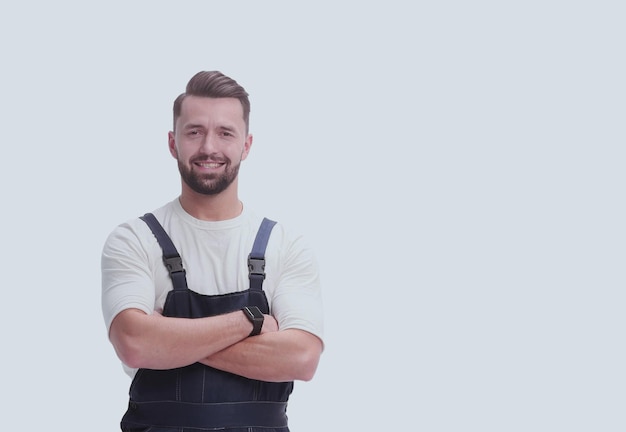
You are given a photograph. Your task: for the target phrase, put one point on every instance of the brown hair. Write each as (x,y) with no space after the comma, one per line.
(216,85)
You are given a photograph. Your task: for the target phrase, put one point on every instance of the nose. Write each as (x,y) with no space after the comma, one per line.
(210,143)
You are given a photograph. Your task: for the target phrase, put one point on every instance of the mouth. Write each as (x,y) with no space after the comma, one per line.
(209,165)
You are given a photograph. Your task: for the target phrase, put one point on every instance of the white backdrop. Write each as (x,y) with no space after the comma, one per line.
(458,167)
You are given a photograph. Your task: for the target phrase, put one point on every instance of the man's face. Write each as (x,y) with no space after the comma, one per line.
(209,143)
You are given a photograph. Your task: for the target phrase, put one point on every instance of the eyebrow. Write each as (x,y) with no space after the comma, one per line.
(201,126)
(227,129)
(193,126)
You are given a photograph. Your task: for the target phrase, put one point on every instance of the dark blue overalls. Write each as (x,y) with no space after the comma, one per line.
(198,397)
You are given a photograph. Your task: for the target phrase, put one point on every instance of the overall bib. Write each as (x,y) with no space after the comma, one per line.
(197,397)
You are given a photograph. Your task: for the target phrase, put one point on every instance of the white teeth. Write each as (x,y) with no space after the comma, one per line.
(209,165)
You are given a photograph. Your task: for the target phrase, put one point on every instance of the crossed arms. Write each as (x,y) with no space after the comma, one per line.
(157,342)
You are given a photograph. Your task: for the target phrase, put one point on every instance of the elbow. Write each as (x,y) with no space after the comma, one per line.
(127,343)
(309,359)
(307,375)
(129,352)
(132,360)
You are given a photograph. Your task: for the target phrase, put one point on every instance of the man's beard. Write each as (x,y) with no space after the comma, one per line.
(208,184)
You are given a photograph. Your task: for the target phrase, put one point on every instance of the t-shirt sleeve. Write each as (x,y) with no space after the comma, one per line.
(127,281)
(297,303)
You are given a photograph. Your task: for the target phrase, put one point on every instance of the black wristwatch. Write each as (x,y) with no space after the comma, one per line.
(256,317)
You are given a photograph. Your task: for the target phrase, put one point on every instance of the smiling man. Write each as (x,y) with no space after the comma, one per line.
(216,126)
(213,310)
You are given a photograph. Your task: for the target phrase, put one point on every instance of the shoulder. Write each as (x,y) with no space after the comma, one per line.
(288,233)
(291,246)
(135,233)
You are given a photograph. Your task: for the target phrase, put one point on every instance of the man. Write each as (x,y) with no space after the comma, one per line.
(213,310)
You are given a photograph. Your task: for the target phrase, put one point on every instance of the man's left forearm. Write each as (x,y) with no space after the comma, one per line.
(286,355)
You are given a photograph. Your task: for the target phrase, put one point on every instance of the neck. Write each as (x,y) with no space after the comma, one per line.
(223,206)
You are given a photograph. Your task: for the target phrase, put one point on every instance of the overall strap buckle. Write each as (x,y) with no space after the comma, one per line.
(256,266)
(174,264)
(171,258)
(256,259)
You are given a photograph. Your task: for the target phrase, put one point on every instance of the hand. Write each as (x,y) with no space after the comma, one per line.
(269,324)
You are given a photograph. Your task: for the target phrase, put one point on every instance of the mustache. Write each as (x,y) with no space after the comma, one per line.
(209,158)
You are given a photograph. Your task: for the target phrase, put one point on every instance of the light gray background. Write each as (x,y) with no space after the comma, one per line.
(458,167)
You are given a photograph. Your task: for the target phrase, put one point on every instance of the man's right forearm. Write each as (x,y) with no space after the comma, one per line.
(158,342)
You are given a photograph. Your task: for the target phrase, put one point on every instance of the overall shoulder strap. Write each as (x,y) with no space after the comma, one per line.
(256,259)
(172,260)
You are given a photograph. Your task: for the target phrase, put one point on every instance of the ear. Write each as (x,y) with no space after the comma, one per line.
(171,143)
(246,147)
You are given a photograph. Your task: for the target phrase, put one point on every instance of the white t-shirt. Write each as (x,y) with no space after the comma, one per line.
(215,257)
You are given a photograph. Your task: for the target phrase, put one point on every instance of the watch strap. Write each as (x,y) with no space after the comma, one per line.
(255,316)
